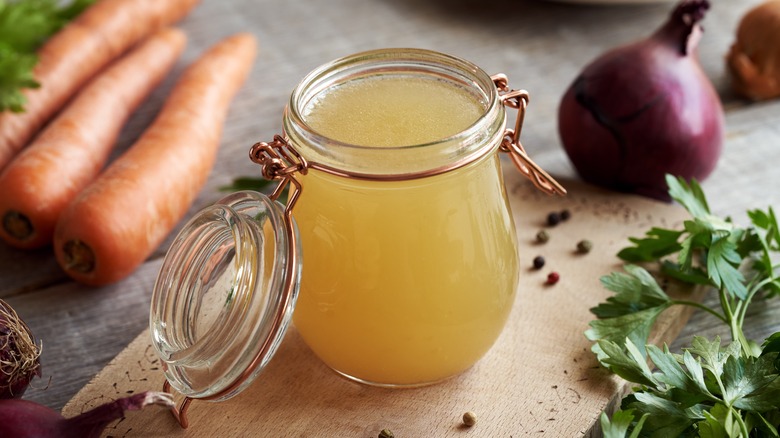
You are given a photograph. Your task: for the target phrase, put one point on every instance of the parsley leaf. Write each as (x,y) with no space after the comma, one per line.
(628,362)
(765,244)
(712,357)
(772,345)
(708,390)
(690,196)
(261,184)
(634,326)
(722,265)
(621,421)
(248,183)
(666,418)
(687,375)
(751,383)
(659,243)
(24,27)
(718,423)
(694,275)
(634,290)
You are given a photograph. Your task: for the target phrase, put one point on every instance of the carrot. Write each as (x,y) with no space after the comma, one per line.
(71,151)
(125,214)
(79,51)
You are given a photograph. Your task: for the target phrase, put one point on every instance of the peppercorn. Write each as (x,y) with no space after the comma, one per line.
(538,262)
(553,278)
(565,215)
(553,218)
(386,433)
(542,236)
(584,246)
(469,419)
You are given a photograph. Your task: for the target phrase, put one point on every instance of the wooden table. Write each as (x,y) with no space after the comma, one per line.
(541,46)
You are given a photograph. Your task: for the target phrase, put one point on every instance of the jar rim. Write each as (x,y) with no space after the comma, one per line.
(471,143)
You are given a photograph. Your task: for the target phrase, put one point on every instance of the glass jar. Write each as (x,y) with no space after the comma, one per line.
(397,203)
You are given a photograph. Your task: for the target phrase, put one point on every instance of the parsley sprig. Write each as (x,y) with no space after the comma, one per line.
(709,390)
(24,26)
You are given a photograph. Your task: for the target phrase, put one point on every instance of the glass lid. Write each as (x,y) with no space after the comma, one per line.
(225,295)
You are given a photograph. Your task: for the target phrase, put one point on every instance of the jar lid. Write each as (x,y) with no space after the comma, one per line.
(225,295)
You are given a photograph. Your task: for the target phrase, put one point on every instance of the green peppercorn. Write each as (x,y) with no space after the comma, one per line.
(469,419)
(584,246)
(386,433)
(542,236)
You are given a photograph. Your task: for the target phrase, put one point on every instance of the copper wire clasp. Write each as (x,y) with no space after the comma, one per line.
(278,160)
(518,99)
(180,413)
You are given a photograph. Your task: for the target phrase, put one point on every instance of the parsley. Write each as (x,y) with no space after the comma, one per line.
(709,390)
(247,183)
(24,26)
(255,184)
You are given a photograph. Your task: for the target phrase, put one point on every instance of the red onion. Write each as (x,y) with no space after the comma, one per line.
(23,418)
(18,354)
(646,109)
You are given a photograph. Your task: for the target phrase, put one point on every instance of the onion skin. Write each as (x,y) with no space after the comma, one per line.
(26,419)
(18,354)
(645,109)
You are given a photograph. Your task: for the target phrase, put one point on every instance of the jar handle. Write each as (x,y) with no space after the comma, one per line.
(518,99)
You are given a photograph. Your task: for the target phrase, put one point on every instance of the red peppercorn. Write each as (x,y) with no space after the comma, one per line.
(553,277)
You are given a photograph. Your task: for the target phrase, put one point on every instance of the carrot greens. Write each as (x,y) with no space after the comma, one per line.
(710,389)
(24,26)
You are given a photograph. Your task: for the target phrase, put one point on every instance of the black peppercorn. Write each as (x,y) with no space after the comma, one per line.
(565,215)
(538,262)
(553,219)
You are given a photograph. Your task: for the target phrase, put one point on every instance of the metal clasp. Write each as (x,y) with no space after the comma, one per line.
(179,413)
(518,99)
(278,160)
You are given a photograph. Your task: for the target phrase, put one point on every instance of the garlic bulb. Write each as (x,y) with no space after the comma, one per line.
(754,58)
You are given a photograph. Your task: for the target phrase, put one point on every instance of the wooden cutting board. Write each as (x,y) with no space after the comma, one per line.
(540,378)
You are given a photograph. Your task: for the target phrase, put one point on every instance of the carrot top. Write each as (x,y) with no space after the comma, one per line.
(24,27)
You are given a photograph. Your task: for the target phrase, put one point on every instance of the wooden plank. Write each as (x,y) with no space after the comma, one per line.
(82,329)
(540,375)
(540,45)
(25,271)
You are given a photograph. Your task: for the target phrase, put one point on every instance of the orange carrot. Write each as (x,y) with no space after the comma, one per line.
(79,51)
(124,215)
(72,150)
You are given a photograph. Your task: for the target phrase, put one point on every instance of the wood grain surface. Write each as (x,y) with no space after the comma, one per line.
(539,377)
(541,45)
